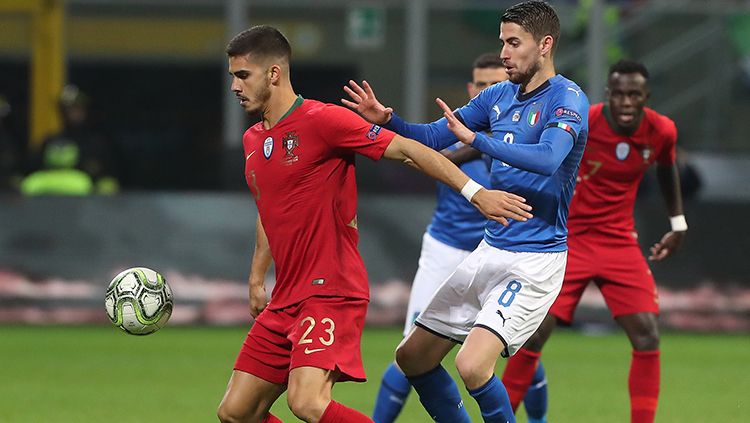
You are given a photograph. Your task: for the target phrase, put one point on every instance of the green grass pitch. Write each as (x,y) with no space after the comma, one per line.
(94,374)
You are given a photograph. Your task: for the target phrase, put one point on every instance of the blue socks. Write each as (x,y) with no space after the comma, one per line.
(439,395)
(394,388)
(494,402)
(535,400)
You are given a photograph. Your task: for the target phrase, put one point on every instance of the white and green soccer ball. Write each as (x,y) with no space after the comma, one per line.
(139,301)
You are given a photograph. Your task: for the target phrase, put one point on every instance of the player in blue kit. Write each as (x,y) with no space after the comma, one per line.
(498,296)
(456,229)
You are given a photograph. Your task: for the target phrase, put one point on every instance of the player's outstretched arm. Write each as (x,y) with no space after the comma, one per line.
(543,158)
(364,102)
(496,205)
(669,181)
(434,135)
(262,260)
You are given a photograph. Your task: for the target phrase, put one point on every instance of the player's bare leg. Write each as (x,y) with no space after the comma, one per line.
(540,337)
(520,369)
(643,332)
(248,398)
(476,365)
(421,351)
(309,397)
(419,356)
(476,359)
(310,392)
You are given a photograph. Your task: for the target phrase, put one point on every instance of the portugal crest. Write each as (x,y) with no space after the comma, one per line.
(290,141)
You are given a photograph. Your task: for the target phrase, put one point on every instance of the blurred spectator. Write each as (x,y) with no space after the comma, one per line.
(77,161)
(9,152)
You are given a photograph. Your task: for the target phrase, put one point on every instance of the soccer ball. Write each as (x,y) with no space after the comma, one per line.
(139,301)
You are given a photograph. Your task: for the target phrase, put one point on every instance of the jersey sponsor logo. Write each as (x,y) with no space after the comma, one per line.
(290,141)
(249,155)
(500,313)
(268,147)
(313,350)
(516,116)
(373,132)
(562,111)
(534,114)
(496,108)
(622,150)
(319,281)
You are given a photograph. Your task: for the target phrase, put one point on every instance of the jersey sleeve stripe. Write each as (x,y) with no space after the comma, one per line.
(565,127)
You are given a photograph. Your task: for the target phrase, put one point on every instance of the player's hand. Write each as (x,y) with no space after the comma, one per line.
(366,104)
(501,206)
(464,134)
(258,298)
(669,243)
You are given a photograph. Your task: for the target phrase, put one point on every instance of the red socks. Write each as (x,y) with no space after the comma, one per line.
(337,413)
(270,418)
(518,375)
(644,386)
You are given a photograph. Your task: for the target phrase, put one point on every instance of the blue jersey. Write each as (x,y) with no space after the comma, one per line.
(537,142)
(456,222)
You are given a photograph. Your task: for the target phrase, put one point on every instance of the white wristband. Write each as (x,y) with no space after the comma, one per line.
(470,188)
(679,224)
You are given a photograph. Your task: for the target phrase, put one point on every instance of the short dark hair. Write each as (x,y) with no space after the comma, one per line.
(629,66)
(536,17)
(261,41)
(488,60)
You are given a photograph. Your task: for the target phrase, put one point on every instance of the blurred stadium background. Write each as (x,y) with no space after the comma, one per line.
(153,73)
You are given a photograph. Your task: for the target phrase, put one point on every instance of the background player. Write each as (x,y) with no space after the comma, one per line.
(625,139)
(299,166)
(500,294)
(456,229)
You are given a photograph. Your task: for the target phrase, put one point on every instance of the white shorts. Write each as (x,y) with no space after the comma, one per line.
(436,262)
(505,292)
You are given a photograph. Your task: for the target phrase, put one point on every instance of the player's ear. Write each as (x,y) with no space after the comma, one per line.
(546,44)
(274,73)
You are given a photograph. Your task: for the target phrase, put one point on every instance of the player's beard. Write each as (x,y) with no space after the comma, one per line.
(524,78)
(260,99)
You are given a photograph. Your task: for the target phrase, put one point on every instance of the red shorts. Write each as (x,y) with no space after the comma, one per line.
(616,265)
(320,332)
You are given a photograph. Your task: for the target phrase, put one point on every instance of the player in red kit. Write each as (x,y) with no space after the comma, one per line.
(299,166)
(625,139)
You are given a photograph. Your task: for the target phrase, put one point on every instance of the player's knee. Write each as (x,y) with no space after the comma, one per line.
(647,340)
(307,406)
(228,415)
(473,372)
(406,358)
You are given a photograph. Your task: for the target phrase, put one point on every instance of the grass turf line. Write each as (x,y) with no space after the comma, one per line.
(91,374)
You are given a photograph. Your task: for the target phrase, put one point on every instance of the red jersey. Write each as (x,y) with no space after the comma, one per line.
(301,173)
(612,168)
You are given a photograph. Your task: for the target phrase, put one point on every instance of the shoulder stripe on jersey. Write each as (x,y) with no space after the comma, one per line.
(565,127)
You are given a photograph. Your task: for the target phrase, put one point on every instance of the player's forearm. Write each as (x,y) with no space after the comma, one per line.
(435,135)
(430,162)
(262,257)
(669,182)
(463,155)
(543,158)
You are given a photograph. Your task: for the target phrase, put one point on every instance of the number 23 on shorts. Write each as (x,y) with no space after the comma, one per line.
(326,340)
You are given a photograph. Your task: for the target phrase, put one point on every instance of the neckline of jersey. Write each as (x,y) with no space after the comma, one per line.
(297,103)
(525,96)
